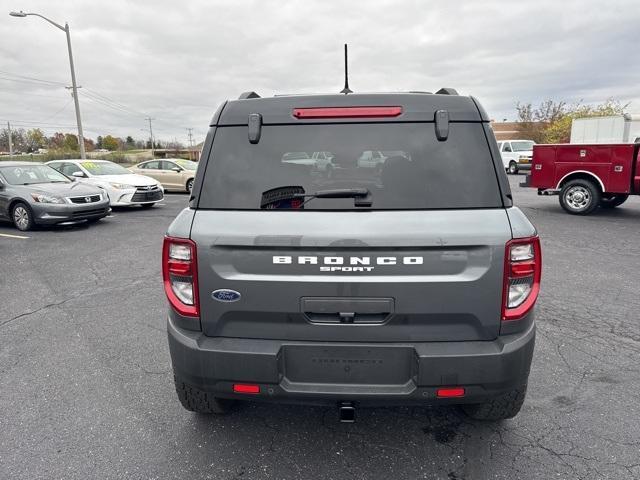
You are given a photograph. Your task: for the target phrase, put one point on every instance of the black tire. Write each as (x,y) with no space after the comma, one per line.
(199,401)
(613,201)
(147,205)
(512,169)
(94,220)
(502,407)
(22,217)
(580,196)
(189,185)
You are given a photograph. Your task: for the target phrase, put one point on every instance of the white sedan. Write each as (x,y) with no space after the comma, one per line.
(122,186)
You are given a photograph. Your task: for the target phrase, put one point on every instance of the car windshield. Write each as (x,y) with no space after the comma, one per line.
(522,146)
(415,170)
(32,174)
(187,164)
(104,168)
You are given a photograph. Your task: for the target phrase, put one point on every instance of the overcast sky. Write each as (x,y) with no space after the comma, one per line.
(178,60)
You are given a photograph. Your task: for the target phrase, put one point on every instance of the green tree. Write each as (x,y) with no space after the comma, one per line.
(70,142)
(110,143)
(35,139)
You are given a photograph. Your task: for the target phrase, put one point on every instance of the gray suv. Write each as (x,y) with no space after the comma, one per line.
(413,283)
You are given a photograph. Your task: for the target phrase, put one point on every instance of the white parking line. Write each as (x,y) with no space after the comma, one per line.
(13,236)
(109,216)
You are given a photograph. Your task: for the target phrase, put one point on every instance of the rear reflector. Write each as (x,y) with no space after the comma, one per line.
(246,388)
(450,392)
(347,112)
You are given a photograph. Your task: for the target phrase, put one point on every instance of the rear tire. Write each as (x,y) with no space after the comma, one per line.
(513,168)
(147,205)
(189,185)
(199,401)
(501,407)
(22,217)
(580,196)
(613,201)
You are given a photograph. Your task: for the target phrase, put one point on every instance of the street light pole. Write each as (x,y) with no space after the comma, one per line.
(74,86)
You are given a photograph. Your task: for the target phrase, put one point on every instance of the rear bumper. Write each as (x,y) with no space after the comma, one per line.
(323,373)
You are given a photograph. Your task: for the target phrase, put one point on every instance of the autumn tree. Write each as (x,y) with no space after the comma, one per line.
(551,121)
(110,143)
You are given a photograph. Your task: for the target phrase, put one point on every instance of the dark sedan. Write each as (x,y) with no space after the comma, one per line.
(36,194)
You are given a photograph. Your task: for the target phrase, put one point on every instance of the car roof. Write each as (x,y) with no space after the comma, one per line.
(13,163)
(416,107)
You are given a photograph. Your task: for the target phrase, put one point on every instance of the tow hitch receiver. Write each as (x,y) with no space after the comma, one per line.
(346,412)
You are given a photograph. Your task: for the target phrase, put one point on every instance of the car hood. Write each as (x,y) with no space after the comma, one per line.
(525,153)
(63,189)
(127,179)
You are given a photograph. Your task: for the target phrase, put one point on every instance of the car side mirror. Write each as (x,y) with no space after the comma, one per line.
(78,174)
(176,169)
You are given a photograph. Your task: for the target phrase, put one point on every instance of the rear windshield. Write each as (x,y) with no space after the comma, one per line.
(402,166)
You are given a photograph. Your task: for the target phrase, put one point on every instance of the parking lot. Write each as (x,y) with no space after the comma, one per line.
(86,384)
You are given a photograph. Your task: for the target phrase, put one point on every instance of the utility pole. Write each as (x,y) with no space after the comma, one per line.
(10,141)
(65,29)
(190,143)
(153,152)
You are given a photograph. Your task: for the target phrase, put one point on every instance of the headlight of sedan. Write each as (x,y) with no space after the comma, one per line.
(121,186)
(44,198)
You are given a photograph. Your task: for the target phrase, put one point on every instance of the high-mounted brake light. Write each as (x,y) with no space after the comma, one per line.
(522,272)
(180,275)
(346,112)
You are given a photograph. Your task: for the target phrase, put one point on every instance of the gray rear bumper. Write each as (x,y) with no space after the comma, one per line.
(319,372)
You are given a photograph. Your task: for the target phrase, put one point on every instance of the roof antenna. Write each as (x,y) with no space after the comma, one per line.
(346,88)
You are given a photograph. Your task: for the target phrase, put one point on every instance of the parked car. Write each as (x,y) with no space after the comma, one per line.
(516,155)
(122,187)
(586,176)
(36,194)
(173,174)
(413,287)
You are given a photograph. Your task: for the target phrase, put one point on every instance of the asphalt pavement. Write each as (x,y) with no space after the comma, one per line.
(86,384)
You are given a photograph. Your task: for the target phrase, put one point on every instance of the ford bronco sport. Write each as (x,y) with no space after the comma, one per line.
(412,283)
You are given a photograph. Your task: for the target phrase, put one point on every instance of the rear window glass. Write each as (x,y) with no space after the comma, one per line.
(402,165)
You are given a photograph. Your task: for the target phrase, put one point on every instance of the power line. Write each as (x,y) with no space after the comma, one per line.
(24,77)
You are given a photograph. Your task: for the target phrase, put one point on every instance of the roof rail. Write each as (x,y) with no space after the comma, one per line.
(447,91)
(245,95)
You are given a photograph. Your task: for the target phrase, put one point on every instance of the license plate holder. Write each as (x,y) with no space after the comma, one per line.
(362,365)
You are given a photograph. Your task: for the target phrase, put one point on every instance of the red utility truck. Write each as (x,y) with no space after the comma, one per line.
(586,176)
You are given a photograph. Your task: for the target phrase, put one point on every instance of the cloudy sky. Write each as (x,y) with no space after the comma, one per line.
(177,60)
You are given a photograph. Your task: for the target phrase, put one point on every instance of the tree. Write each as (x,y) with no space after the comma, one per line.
(35,139)
(99,142)
(18,139)
(551,121)
(57,141)
(70,142)
(110,143)
(129,142)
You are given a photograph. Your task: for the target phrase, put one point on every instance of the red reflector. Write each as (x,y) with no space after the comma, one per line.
(450,392)
(246,388)
(523,269)
(346,112)
(179,268)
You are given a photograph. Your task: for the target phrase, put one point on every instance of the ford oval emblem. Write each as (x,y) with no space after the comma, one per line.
(225,295)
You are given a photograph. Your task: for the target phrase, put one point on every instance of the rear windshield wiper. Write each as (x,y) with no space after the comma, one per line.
(362,196)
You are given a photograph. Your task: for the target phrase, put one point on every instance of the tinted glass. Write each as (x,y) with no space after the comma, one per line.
(419,173)
(155,165)
(32,174)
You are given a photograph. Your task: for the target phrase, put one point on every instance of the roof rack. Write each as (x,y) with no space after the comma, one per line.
(245,95)
(447,91)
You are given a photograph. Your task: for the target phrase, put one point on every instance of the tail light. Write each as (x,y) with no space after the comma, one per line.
(522,271)
(180,275)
